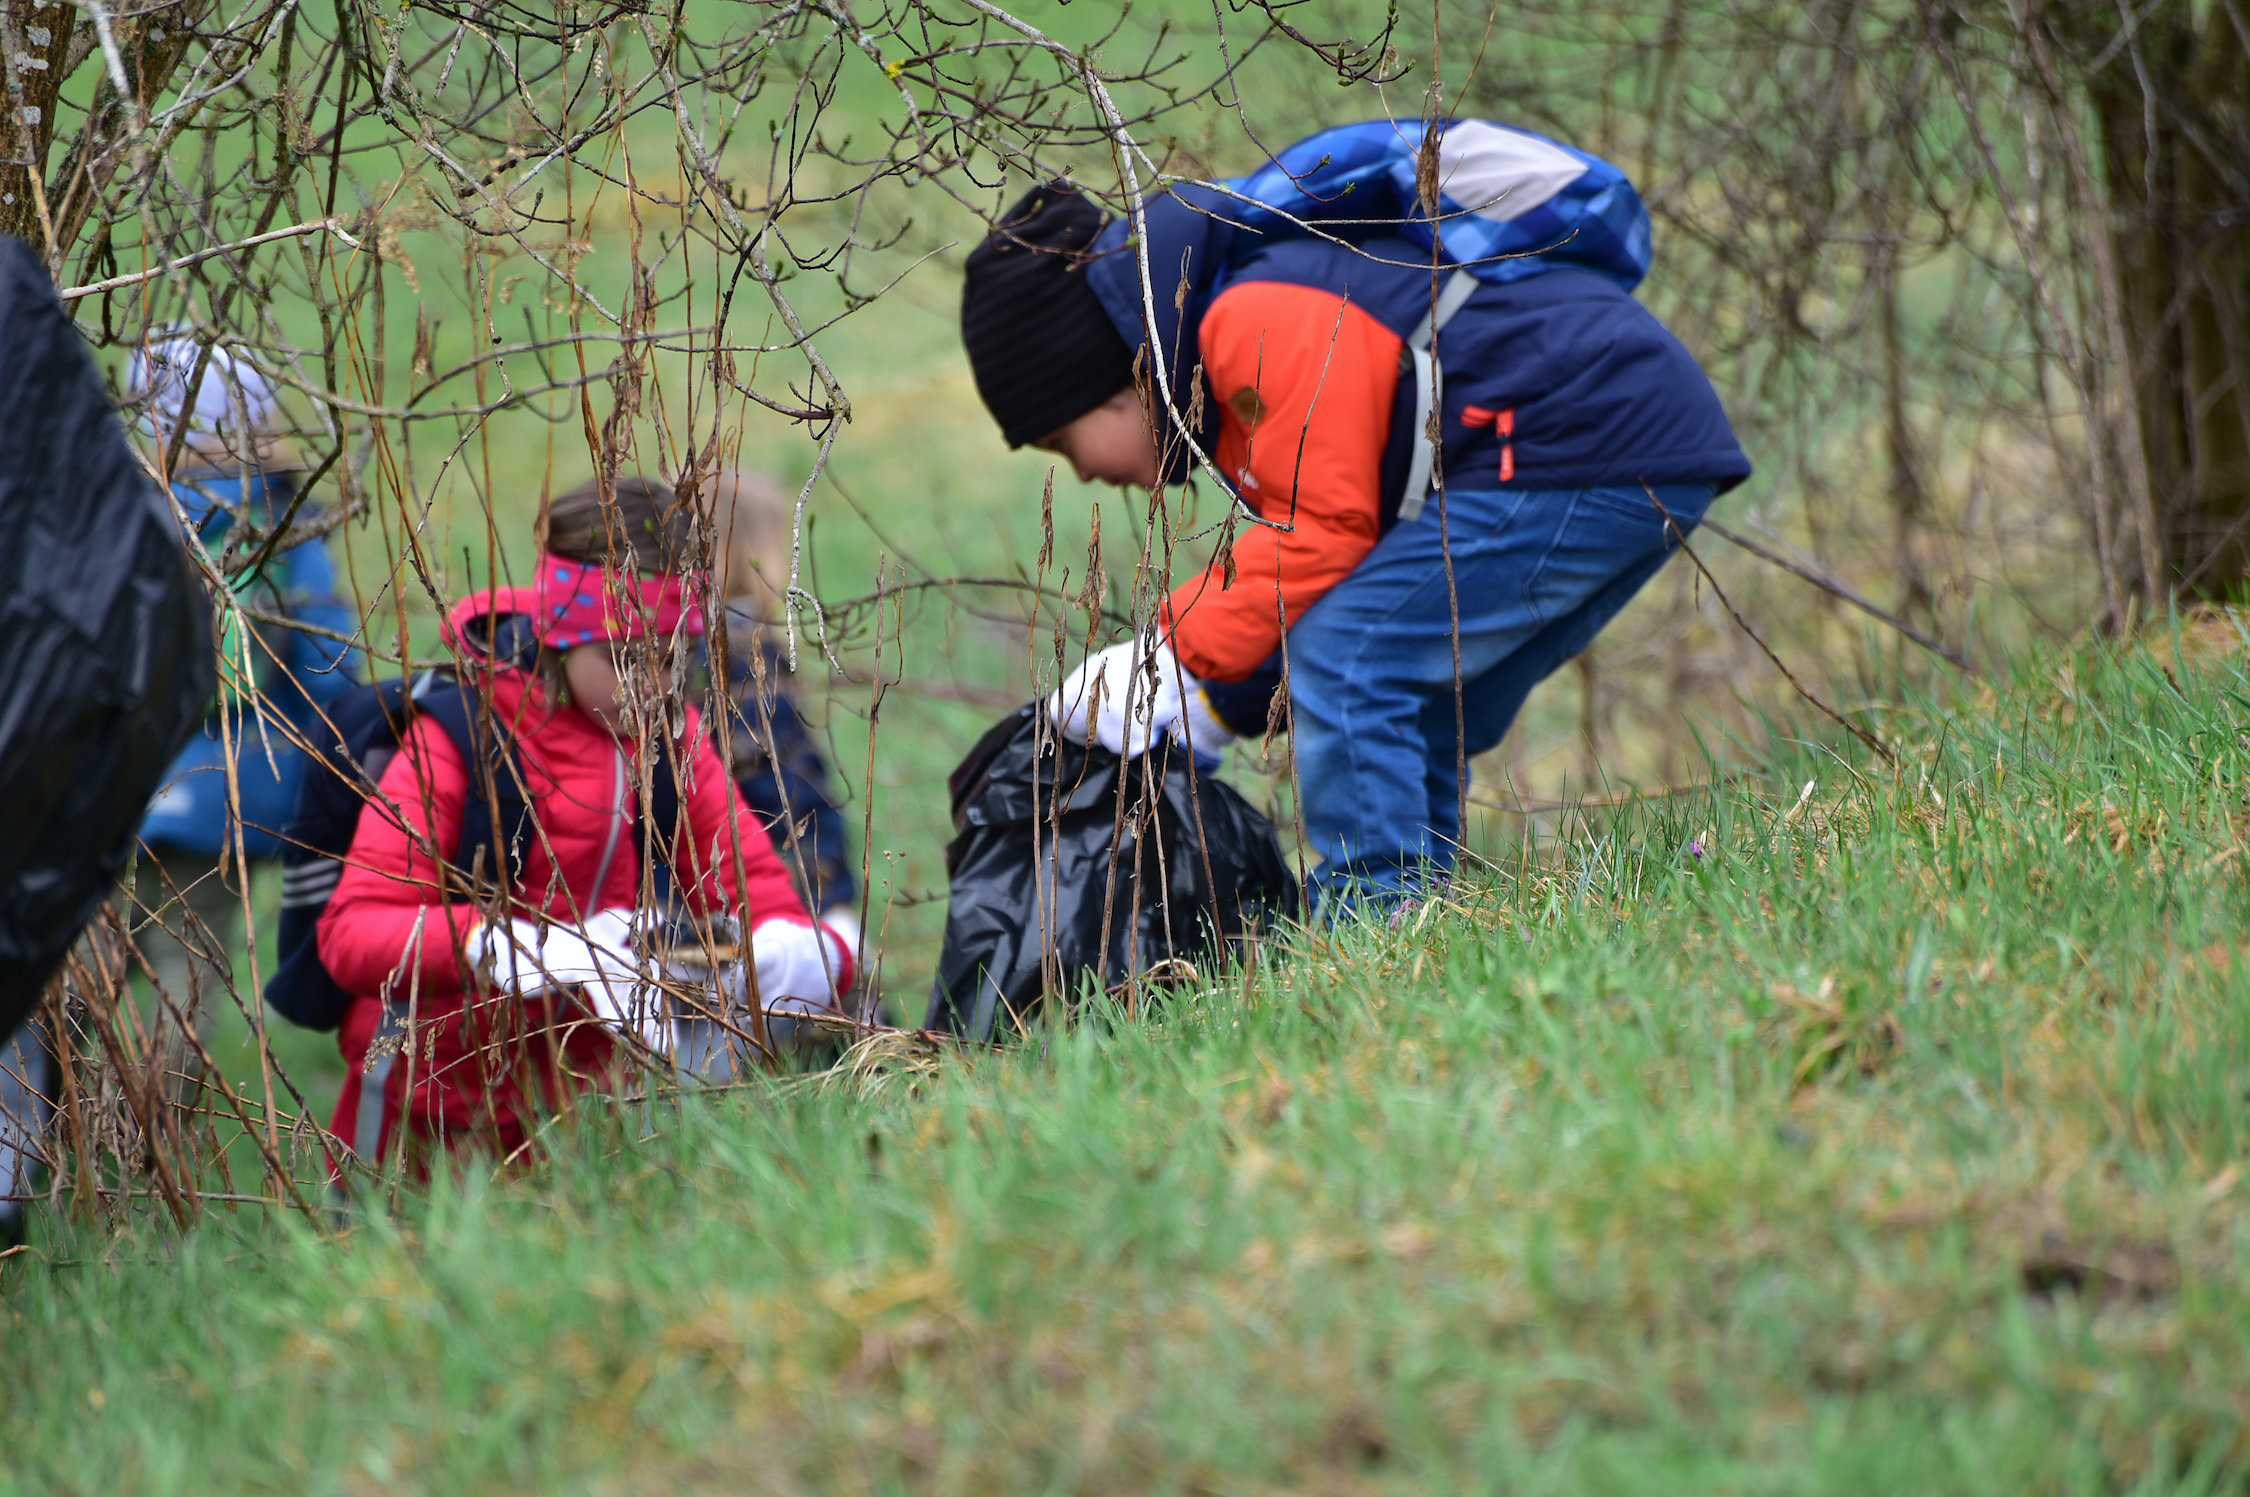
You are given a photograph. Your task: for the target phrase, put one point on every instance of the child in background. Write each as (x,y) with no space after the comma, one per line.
(775,759)
(233,478)
(519,1004)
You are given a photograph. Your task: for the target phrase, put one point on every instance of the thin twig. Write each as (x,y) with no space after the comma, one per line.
(1830,585)
(170,267)
(1744,625)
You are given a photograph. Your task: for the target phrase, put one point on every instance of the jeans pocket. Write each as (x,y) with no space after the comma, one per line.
(1605,534)
(1564,523)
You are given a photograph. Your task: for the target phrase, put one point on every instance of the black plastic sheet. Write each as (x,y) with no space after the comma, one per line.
(1196,869)
(105,642)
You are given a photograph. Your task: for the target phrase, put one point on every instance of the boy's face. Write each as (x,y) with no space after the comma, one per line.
(1109,444)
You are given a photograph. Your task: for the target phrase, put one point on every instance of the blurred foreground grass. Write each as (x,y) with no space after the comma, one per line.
(1848,1128)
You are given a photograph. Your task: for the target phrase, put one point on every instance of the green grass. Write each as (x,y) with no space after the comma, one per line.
(1888,1145)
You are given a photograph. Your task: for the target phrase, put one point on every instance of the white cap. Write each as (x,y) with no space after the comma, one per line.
(235,398)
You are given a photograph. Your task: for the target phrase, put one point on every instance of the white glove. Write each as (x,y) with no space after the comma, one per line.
(527,957)
(799,967)
(842,924)
(1113,681)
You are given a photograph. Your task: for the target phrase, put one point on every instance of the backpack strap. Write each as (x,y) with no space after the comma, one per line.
(495,818)
(660,818)
(361,729)
(663,807)
(1429,389)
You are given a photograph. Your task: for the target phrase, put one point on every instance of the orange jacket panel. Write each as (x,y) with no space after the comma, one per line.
(1304,381)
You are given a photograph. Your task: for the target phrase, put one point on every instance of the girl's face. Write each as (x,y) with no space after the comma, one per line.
(1109,444)
(602,677)
(597,688)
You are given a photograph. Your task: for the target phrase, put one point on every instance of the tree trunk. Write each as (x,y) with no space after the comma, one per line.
(1910,498)
(35,38)
(2173,112)
(59,206)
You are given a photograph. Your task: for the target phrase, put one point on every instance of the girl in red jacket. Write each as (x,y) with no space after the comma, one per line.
(470,1015)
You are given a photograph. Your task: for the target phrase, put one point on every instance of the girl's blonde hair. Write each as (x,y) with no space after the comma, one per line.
(751,521)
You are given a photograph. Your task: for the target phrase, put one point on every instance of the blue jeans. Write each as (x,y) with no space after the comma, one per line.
(1537,572)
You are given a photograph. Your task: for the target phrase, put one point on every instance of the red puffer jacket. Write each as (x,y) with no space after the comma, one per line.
(474,1062)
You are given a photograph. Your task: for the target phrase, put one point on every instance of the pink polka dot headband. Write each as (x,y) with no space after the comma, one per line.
(578,603)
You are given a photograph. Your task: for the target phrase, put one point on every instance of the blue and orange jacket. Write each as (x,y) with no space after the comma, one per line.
(298,676)
(1558,380)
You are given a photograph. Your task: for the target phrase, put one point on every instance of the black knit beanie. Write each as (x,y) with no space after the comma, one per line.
(1042,349)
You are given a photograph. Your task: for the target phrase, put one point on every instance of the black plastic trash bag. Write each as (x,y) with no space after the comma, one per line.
(105,639)
(1031,878)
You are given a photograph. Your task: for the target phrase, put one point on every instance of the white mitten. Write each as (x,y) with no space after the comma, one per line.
(526,957)
(1097,696)
(1114,683)
(800,968)
(842,925)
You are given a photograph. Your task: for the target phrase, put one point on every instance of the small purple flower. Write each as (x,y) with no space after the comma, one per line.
(1695,848)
